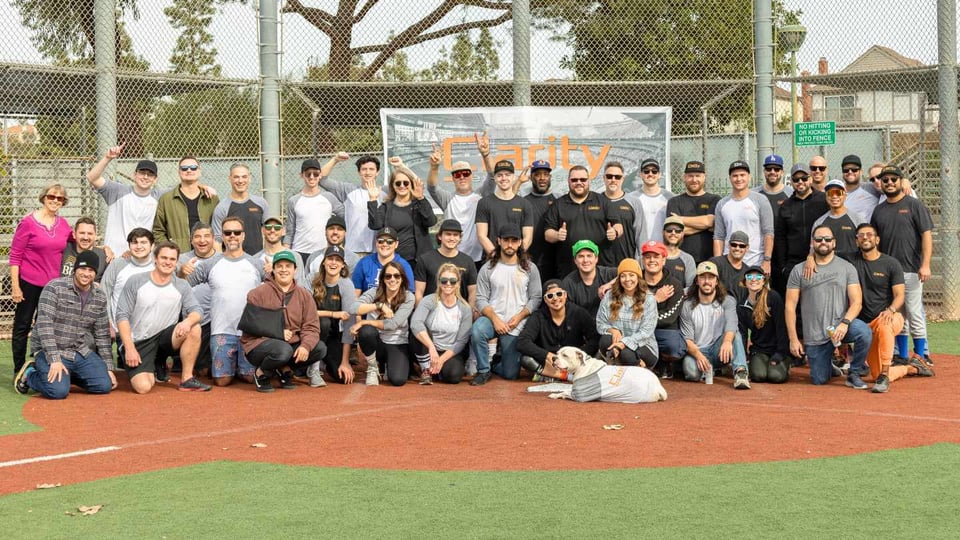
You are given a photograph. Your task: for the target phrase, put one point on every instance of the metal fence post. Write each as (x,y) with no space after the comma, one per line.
(949,179)
(270,106)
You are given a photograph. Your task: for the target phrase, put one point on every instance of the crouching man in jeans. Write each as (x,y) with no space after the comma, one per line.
(708,322)
(71,317)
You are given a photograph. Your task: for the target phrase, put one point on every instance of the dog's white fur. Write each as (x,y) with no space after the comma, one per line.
(579,364)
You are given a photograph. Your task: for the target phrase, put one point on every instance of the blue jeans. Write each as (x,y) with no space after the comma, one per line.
(820,357)
(88,372)
(670,343)
(692,373)
(509,366)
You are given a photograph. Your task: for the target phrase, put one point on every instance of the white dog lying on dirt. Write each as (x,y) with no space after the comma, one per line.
(594,380)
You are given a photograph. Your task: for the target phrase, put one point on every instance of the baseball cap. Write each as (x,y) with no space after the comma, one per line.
(87,259)
(309,164)
(581,245)
(387,231)
(285,255)
(695,167)
(146,165)
(509,230)
(834,184)
(852,159)
(741,237)
(890,170)
(503,165)
(451,225)
(333,251)
(673,220)
(460,166)
(653,247)
(773,159)
(649,162)
(799,167)
(551,283)
(336,220)
(739,164)
(707,267)
(540,164)
(753,270)
(275,219)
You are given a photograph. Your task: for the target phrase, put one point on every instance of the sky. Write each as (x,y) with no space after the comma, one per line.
(839,31)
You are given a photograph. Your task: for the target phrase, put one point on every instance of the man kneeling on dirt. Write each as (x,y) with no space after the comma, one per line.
(71,338)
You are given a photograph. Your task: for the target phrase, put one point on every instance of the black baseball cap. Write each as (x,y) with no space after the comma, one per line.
(451,225)
(739,164)
(146,165)
(387,231)
(503,165)
(310,164)
(336,220)
(695,167)
(510,230)
(87,259)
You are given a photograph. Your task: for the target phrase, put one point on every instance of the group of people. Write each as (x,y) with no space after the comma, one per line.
(689,285)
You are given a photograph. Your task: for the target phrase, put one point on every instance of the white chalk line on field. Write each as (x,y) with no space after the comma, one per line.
(211,434)
(803,408)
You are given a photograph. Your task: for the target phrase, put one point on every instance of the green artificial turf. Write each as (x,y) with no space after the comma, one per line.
(11,403)
(909,493)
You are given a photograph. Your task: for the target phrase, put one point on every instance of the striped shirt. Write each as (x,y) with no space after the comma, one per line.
(68,324)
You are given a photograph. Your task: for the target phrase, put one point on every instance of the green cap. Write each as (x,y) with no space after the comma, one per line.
(585,244)
(285,255)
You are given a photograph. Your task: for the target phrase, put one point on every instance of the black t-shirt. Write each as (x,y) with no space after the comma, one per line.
(585,221)
(772,336)
(776,199)
(583,295)
(668,311)
(496,212)
(541,335)
(877,279)
(900,225)
(625,246)
(430,262)
(400,218)
(844,235)
(699,245)
(676,268)
(193,211)
(542,253)
(730,276)
(252,215)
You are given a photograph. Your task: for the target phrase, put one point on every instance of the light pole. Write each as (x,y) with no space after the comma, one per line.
(791,39)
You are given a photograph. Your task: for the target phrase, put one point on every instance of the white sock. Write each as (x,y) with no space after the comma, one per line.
(424,361)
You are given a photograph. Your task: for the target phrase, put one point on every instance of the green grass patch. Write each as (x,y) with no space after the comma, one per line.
(944,337)
(896,493)
(11,403)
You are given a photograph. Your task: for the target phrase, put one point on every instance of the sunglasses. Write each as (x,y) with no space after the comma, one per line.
(58,198)
(313,174)
(874,178)
(401,183)
(851,169)
(773,168)
(835,192)
(189,167)
(387,241)
(552,295)
(579,180)
(273,227)
(818,168)
(462,174)
(232,233)
(449,281)
(738,245)
(801,179)
(866,235)
(673,230)
(753,277)
(613,176)
(391,276)
(890,180)
(822,239)
(650,171)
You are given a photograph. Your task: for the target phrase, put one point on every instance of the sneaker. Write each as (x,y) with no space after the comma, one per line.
(900,361)
(541,378)
(481,379)
(20,381)
(882,385)
(928,360)
(425,378)
(741,381)
(845,368)
(923,370)
(316,375)
(193,384)
(286,380)
(836,371)
(262,382)
(667,372)
(854,381)
(160,371)
(373,376)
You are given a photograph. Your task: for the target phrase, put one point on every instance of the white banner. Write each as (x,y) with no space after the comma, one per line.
(564,136)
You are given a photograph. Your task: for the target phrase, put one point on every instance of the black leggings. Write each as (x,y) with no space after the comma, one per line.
(452,370)
(396,357)
(273,354)
(628,356)
(23,321)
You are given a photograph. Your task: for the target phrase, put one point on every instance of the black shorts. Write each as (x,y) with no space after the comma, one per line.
(151,348)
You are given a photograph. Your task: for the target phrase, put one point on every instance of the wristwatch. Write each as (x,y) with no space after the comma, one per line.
(845,321)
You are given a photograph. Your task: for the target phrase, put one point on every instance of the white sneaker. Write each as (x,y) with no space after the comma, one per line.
(373,375)
(316,375)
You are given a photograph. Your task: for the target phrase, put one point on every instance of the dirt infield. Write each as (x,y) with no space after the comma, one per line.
(496,427)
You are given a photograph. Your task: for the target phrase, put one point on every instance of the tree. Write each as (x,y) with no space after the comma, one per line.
(194,52)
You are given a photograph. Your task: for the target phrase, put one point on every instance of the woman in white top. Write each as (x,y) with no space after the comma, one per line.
(441,324)
(383,333)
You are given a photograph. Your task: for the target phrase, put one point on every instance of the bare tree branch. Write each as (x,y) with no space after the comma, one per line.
(449,31)
(364,10)
(315,16)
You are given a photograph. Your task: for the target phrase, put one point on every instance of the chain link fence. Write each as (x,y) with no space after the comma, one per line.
(188,82)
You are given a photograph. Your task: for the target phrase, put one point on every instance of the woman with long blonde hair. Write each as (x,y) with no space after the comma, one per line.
(627,319)
(441,324)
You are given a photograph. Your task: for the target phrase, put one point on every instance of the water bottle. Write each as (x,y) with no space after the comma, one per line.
(830,331)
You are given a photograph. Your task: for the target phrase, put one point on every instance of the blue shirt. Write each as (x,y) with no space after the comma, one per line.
(366,275)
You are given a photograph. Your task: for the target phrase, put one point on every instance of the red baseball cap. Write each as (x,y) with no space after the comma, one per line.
(654,247)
